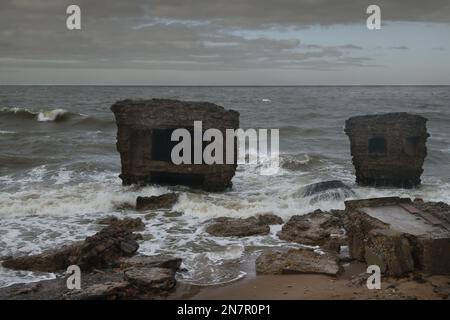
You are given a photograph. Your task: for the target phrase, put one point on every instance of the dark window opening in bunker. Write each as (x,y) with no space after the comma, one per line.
(162,145)
(411,146)
(171,178)
(377,146)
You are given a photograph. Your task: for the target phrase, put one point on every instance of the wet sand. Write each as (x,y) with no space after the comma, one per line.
(316,286)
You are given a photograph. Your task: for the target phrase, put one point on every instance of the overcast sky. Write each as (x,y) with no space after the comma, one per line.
(225,42)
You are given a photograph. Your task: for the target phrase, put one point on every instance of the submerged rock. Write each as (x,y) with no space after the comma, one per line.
(317,228)
(165,201)
(287,261)
(238,227)
(327,190)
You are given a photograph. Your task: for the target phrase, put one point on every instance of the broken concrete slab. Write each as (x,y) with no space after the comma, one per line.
(398,235)
(237,227)
(151,279)
(288,261)
(318,228)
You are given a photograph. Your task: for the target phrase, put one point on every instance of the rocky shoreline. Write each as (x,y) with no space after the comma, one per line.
(113,269)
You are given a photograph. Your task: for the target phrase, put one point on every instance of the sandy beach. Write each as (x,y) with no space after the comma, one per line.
(320,287)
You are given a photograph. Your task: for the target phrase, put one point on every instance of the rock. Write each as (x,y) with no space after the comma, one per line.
(397,235)
(327,190)
(388,149)
(29,290)
(317,228)
(165,201)
(48,261)
(96,252)
(151,279)
(129,247)
(158,261)
(238,227)
(114,241)
(296,261)
(144,142)
(444,292)
(103,291)
(131,224)
(359,279)
(269,219)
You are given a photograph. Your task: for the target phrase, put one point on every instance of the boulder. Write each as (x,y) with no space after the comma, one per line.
(48,261)
(98,251)
(317,228)
(165,201)
(238,227)
(150,279)
(139,277)
(129,247)
(327,190)
(269,219)
(287,261)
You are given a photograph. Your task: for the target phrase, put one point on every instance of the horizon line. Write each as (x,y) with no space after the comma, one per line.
(224,85)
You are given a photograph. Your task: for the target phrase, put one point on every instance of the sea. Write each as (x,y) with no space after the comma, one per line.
(59,168)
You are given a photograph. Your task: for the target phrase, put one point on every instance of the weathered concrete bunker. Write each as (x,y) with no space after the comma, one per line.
(144,142)
(388,149)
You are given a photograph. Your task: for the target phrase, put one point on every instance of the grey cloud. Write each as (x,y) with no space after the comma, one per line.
(400,48)
(144,42)
(188,35)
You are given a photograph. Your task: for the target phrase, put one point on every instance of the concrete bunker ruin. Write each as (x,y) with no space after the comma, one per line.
(144,142)
(388,149)
(400,235)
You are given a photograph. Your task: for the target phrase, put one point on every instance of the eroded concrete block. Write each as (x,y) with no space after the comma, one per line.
(144,142)
(399,235)
(388,149)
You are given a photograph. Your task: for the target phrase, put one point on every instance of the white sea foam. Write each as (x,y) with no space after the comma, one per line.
(52,208)
(51,115)
(10,277)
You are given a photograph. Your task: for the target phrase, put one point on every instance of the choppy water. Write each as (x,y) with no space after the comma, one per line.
(59,167)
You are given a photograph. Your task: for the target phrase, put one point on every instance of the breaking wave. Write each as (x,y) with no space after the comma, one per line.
(41,116)
(54,115)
